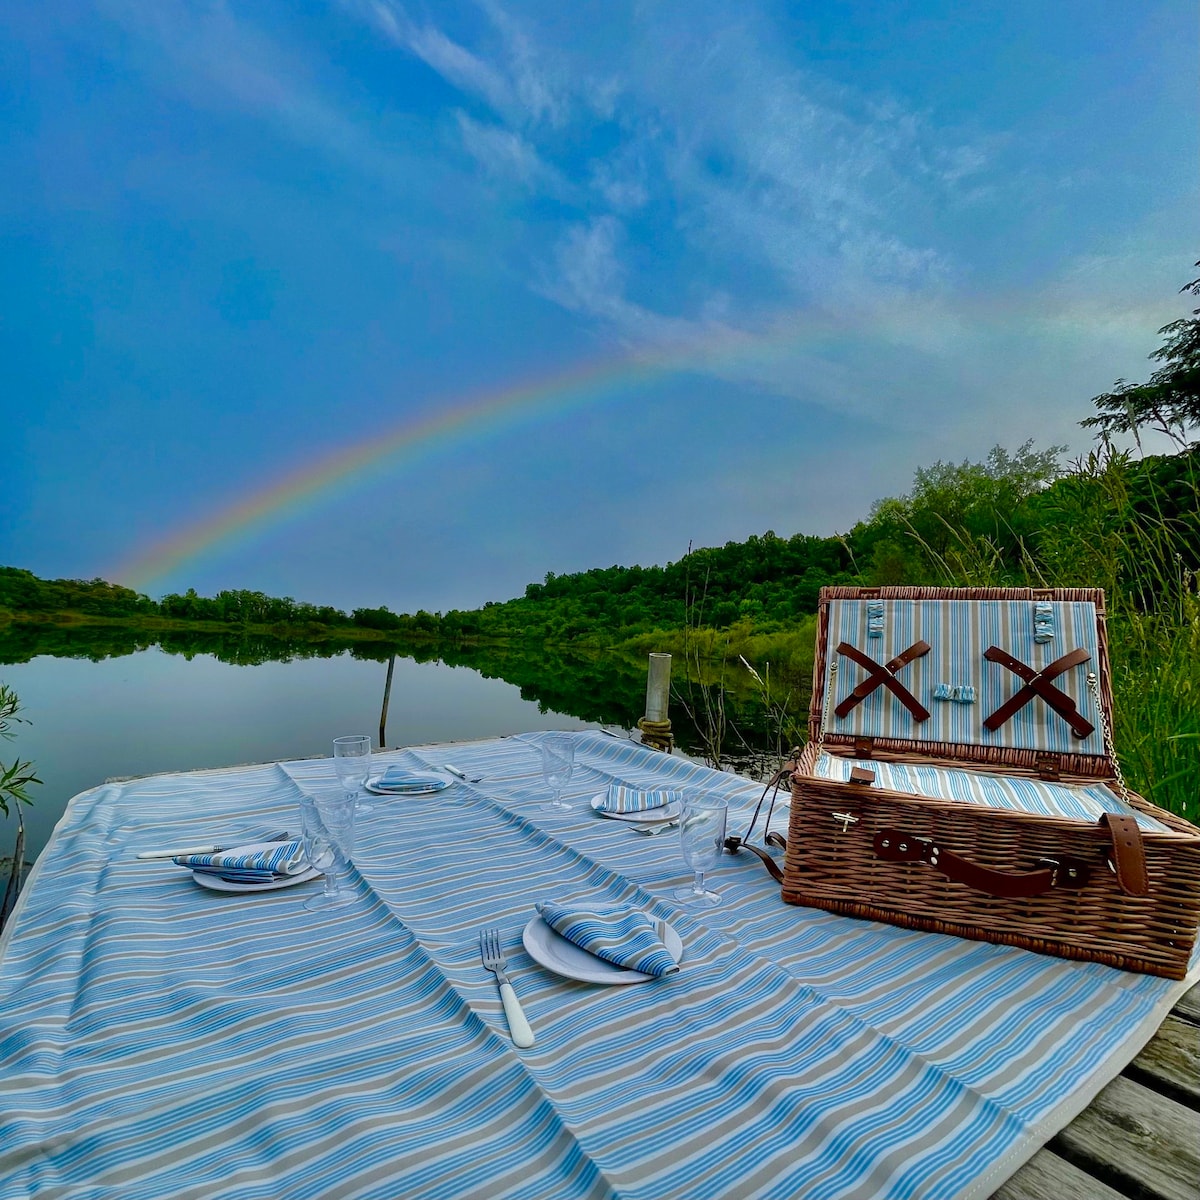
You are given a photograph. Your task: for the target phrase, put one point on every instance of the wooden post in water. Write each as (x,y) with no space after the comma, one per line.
(387,692)
(656,724)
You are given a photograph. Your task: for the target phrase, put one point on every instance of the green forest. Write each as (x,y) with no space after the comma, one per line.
(1014,518)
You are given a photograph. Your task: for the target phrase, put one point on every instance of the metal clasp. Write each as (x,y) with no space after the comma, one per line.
(1074,876)
(847,819)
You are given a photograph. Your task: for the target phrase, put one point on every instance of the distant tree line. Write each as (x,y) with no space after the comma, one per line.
(22,592)
(1004,517)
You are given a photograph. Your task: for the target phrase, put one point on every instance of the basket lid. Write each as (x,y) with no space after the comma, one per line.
(990,674)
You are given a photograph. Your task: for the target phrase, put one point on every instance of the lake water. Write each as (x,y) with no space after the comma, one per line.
(152,711)
(101,705)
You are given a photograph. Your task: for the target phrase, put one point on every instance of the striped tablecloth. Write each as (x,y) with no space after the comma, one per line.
(160,1040)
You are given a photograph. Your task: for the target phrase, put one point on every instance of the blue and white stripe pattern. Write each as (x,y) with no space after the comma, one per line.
(158,1040)
(623,799)
(1042,797)
(623,936)
(265,860)
(958,632)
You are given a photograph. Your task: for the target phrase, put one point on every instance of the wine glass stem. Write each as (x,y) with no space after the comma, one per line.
(698,885)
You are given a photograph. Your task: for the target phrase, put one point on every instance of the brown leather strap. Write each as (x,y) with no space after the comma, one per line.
(883,675)
(1129,854)
(894,845)
(1037,683)
(734,844)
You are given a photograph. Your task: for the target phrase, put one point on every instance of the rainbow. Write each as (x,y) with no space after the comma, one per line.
(472,416)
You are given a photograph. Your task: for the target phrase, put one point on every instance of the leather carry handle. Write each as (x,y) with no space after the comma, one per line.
(884,675)
(1038,683)
(894,845)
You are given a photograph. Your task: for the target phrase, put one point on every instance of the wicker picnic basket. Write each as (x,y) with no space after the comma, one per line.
(961,779)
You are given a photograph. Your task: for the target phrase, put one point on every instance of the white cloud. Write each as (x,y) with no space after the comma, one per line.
(217,61)
(588,276)
(536,77)
(621,181)
(507,155)
(459,66)
(517,81)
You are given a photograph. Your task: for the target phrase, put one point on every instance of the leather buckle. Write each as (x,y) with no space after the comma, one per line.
(1067,873)
(1047,767)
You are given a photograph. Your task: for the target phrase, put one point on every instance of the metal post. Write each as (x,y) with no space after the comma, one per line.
(658,687)
(656,725)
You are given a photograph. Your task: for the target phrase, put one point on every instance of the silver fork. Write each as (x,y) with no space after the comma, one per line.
(494,960)
(659,827)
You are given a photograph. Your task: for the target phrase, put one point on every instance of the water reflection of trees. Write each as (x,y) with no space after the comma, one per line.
(603,688)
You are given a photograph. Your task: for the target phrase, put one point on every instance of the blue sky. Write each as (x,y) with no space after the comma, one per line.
(853,238)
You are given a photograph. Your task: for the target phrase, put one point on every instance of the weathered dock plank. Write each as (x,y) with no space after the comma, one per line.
(1140,1138)
(1189,1005)
(1170,1062)
(1046,1176)
(1138,1141)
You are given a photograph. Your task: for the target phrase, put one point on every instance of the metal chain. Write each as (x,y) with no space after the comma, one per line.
(1093,681)
(829,691)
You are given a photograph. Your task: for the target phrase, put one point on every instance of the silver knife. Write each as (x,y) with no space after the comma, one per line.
(180,851)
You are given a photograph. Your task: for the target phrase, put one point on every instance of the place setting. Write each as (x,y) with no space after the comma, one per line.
(254,867)
(322,850)
(593,941)
(274,861)
(586,942)
(399,781)
(352,760)
(643,808)
(601,943)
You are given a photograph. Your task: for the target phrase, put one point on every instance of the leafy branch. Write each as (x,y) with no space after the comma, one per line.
(14,779)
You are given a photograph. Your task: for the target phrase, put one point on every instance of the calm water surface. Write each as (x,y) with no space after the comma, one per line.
(148,712)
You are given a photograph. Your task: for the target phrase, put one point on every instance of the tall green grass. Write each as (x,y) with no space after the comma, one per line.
(1107,524)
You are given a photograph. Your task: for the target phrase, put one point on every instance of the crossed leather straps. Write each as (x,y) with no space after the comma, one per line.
(883,676)
(1038,683)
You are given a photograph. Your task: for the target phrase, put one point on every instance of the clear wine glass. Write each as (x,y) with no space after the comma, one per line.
(352,761)
(701,838)
(327,827)
(558,761)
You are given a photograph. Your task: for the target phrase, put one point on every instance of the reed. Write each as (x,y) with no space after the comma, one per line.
(1109,524)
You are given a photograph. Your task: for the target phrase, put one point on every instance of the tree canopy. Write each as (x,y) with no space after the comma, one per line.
(1169,401)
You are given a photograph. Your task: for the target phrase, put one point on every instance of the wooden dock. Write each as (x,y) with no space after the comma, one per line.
(1140,1138)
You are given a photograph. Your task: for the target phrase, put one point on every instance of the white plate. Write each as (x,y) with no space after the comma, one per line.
(648,816)
(436,784)
(562,957)
(215,883)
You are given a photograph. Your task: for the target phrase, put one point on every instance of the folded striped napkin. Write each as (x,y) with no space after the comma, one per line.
(401,782)
(623,799)
(625,937)
(258,862)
